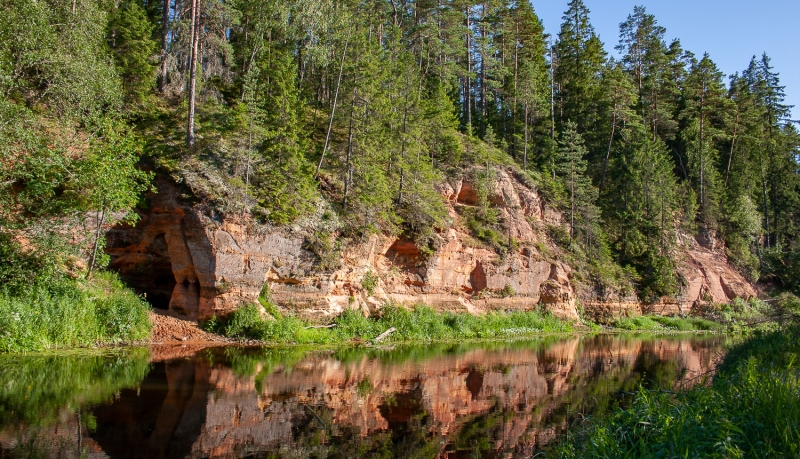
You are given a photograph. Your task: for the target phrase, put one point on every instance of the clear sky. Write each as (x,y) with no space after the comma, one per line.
(731,31)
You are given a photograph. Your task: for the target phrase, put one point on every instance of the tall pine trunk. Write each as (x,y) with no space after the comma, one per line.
(552,113)
(193,73)
(348,174)
(733,144)
(468,79)
(335,98)
(162,82)
(608,152)
(525,149)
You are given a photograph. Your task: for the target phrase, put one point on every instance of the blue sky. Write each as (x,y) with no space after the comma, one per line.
(731,31)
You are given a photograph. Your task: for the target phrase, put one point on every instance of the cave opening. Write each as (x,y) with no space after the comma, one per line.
(148,272)
(158,282)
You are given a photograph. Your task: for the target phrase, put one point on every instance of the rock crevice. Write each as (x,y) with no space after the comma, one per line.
(199,266)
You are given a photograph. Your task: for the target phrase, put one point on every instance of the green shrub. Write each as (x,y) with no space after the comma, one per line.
(369,282)
(508,291)
(661,323)
(327,249)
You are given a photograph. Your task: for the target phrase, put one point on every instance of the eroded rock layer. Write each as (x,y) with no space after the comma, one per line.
(190,262)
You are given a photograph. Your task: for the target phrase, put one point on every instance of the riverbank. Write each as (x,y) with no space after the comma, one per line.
(102,313)
(752,409)
(393,324)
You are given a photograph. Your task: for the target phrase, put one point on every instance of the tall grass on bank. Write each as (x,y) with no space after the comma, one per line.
(418,324)
(661,323)
(70,313)
(752,409)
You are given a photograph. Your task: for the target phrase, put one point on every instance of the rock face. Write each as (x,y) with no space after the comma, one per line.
(198,265)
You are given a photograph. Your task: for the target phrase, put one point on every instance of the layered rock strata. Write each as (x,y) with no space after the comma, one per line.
(198,265)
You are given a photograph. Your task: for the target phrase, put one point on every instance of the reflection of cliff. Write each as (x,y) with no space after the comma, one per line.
(161,418)
(522,395)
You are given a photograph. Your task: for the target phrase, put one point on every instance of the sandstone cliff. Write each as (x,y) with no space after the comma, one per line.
(191,261)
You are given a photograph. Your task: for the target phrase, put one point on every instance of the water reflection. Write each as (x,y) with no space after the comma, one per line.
(446,401)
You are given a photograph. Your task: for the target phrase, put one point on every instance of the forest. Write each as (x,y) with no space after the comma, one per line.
(352,111)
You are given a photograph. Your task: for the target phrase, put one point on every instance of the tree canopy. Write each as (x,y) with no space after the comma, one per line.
(354,110)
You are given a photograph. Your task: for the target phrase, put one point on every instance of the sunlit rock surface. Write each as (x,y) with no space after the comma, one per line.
(200,265)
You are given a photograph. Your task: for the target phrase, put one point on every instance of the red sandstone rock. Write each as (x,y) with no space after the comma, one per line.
(200,266)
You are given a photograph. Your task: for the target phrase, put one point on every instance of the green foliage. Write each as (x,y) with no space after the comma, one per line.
(570,166)
(752,409)
(58,313)
(784,265)
(283,176)
(508,291)
(741,228)
(50,56)
(418,324)
(326,247)
(486,227)
(369,282)
(665,324)
(130,34)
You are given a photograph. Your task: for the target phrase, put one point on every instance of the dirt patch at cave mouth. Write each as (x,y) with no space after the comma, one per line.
(168,329)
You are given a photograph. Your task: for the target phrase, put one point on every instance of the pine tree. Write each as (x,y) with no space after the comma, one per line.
(528,85)
(571,167)
(706,107)
(619,99)
(131,39)
(579,64)
(647,58)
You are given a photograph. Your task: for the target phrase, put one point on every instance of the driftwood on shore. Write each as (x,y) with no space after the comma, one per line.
(383,335)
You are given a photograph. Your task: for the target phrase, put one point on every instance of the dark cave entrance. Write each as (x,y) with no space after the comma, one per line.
(158,282)
(147,272)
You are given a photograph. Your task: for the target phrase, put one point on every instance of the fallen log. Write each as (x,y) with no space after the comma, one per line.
(383,335)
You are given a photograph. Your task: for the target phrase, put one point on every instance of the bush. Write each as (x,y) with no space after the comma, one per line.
(369,282)
(508,291)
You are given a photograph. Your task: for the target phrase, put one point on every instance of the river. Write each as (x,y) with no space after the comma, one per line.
(493,400)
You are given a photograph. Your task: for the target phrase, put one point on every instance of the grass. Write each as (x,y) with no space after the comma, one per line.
(418,324)
(71,313)
(752,409)
(661,323)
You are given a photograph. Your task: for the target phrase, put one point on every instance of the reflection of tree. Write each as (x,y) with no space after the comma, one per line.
(477,435)
(39,390)
(43,398)
(412,439)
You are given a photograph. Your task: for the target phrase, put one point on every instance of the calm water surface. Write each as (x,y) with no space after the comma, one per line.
(493,400)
